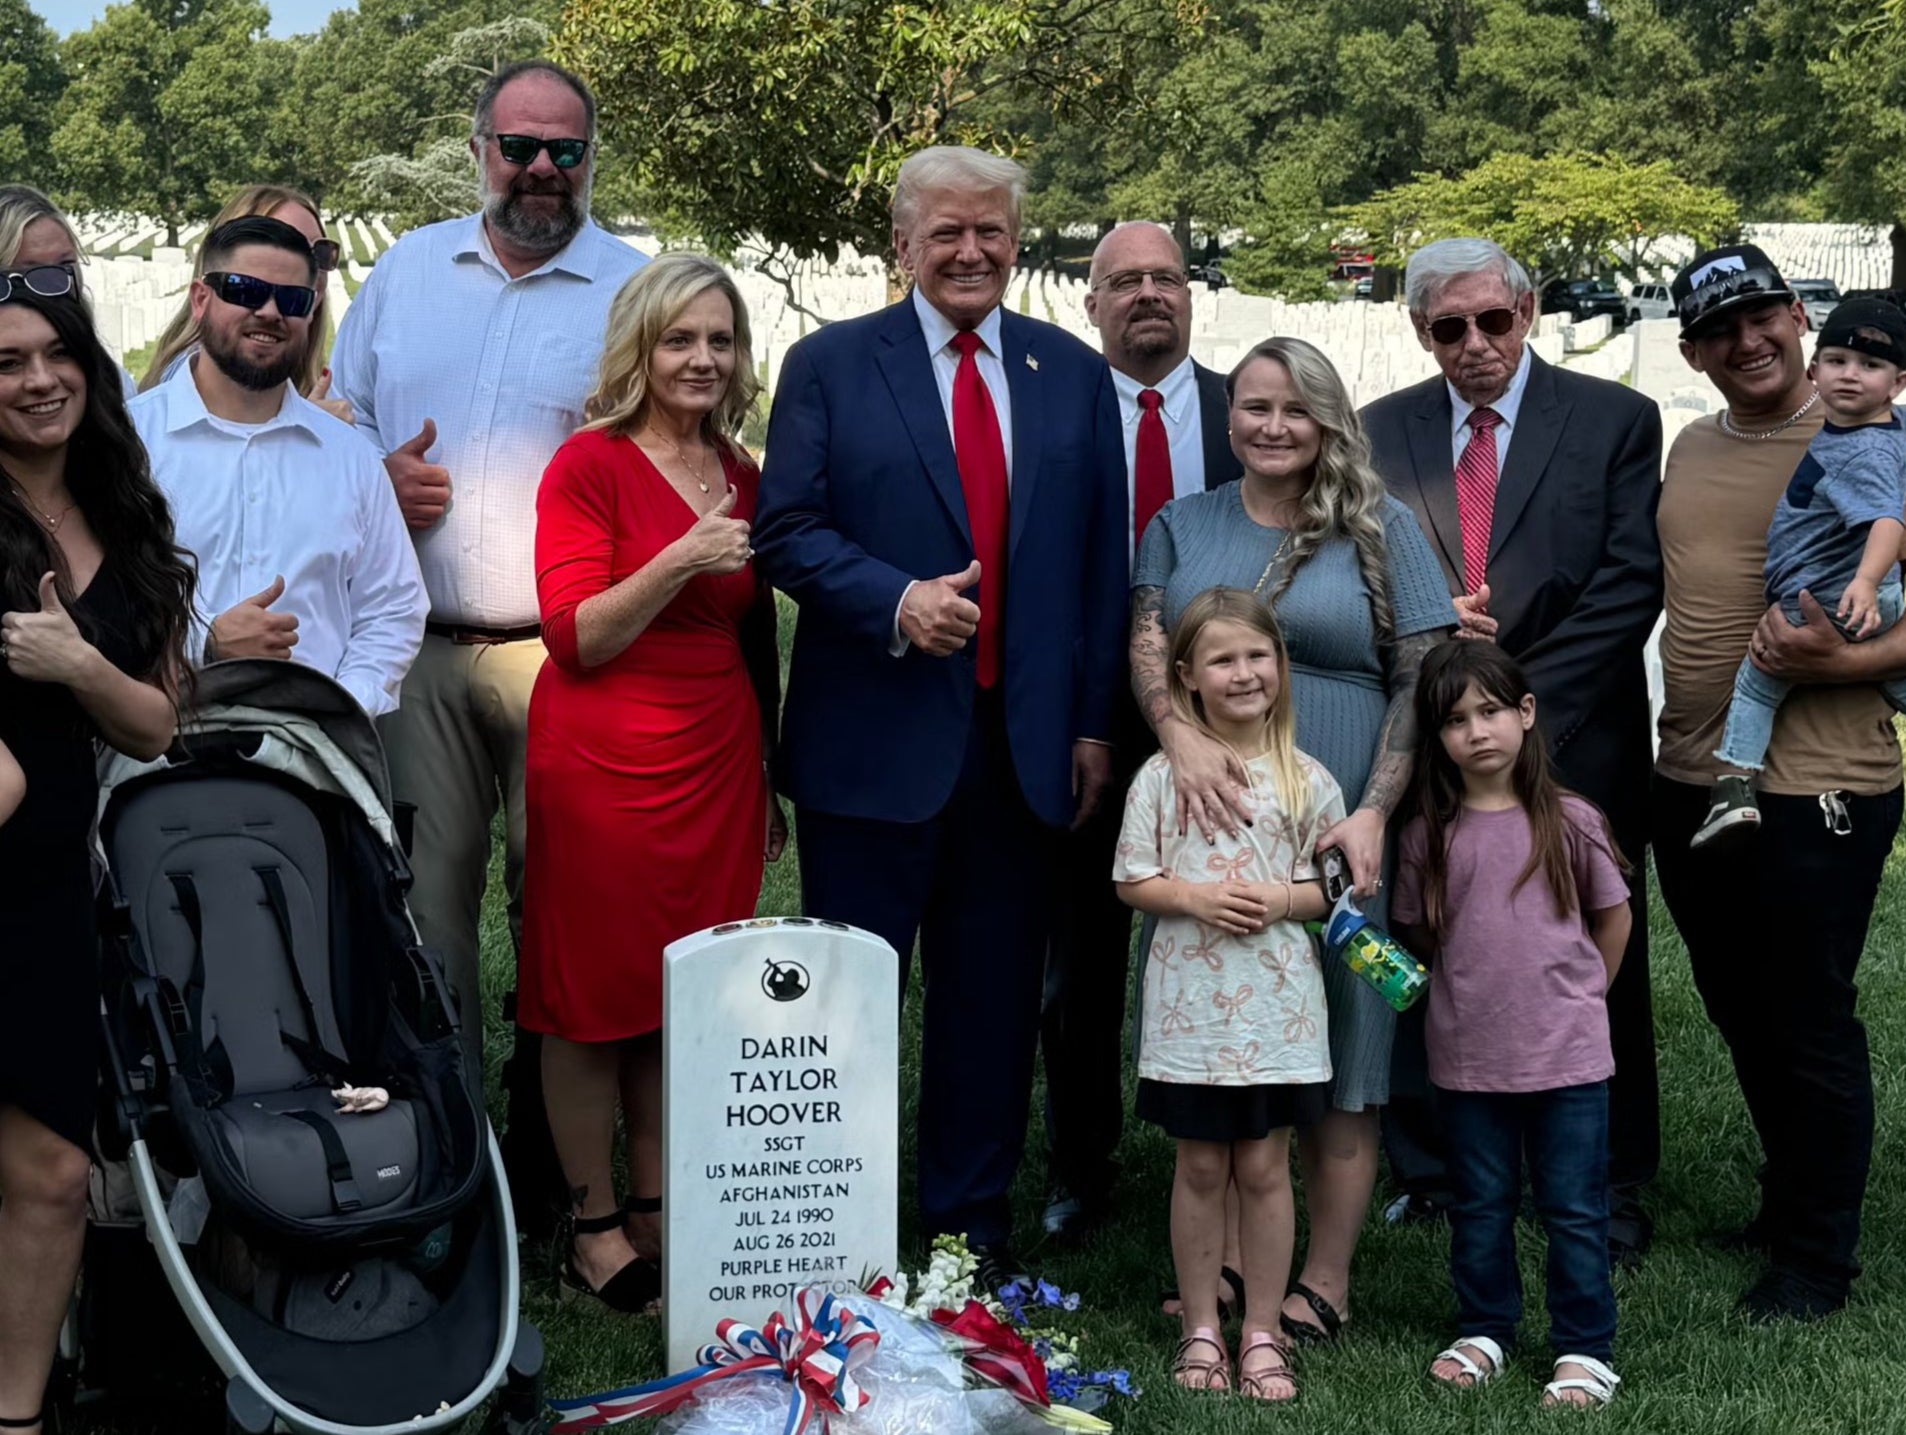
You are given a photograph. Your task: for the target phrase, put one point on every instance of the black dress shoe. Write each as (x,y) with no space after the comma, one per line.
(1750,1239)
(1631,1231)
(998,1267)
(1784,1294)
(1071,1215)
(1416,1209)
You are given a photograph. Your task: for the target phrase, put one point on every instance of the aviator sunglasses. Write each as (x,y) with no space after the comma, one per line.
(523,149)
(294,300)
(1451,327)
(49,281)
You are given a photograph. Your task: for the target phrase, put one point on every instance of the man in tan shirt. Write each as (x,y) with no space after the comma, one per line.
(1774,933)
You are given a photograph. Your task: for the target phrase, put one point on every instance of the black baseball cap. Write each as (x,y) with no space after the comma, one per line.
(1719,281)
(1867,326)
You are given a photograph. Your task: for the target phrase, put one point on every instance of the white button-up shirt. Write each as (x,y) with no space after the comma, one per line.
(1184,431)
(440,331)
(1507,408)
(939,331)
(302,496)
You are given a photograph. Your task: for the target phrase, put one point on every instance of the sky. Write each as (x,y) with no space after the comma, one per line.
(288,17)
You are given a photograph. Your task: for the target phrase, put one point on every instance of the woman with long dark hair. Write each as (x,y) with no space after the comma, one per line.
(94,603)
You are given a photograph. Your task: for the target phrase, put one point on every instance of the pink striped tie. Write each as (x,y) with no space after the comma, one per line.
(1476,494)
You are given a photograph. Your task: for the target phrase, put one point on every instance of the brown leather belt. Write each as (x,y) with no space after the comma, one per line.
(465,635)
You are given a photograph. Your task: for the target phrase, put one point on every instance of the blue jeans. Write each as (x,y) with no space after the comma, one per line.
(1564,1133)
(1757,697)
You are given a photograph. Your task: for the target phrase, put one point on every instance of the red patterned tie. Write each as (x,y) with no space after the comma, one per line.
(982,459)
(1476,494)
(1151,463)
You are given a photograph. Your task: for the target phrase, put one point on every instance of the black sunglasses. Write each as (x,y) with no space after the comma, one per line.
(523,149)
(294,300)
(49,281)
(325,252)
(1451,327)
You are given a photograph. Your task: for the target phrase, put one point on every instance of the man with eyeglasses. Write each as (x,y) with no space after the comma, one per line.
(301,551)
(1537,487)
(1173,413)
(1774,934)
(468,355)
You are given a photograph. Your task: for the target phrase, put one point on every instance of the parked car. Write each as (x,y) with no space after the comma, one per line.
(1585,298)
(1649,301)
(1819,295)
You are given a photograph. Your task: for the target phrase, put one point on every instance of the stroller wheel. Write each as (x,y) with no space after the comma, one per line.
(519,1399)
(245,1410)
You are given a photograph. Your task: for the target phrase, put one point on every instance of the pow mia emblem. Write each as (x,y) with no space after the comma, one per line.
(784,981)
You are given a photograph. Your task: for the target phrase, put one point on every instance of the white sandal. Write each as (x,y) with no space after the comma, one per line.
(1599,1382)
(1478,1375)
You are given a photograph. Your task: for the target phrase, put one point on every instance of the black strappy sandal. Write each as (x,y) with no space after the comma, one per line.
(642,1206)
(9,1422)
(1228,1310)
(1302,1332)
(630,1291)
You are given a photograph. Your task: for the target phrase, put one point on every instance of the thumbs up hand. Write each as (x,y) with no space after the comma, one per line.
(250,629)
(321,396)
(718,543)
(422,487)
(1472,615)
(936,618)
(46,646)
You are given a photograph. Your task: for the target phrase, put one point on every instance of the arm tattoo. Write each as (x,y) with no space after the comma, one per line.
(1396,744)
(1150,656)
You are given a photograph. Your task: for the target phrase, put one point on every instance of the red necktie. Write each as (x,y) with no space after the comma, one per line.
(981,454)
(1476,494)
(1151,463)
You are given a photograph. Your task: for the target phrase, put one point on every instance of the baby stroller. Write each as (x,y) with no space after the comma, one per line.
(348,1273)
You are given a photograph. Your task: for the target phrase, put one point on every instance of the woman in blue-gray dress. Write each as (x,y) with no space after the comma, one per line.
(1360,598)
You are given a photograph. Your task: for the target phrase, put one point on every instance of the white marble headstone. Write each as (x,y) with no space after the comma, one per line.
(781,1094)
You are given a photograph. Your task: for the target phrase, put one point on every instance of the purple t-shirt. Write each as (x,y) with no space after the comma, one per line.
(1517,994)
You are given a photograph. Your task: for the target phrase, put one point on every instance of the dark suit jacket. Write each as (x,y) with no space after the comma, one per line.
(1574,562)
(861,495)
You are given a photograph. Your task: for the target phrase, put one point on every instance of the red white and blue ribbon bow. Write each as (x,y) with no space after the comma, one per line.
(817,1355)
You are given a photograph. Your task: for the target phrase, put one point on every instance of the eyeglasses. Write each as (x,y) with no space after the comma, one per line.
(1130,281)
(523,149)
(1451,327)
(294,300)
(49,281)
(325,252)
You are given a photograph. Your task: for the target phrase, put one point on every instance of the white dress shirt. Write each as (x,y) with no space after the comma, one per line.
(939,331)
(441,331)
(302,496)
(1184,430)
(1506,407)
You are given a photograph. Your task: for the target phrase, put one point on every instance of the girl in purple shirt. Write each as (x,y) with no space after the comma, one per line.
(1512,888)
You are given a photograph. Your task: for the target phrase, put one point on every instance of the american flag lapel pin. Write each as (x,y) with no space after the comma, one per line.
(1032,363)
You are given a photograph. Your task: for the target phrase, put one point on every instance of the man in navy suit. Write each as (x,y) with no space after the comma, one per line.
(944,498)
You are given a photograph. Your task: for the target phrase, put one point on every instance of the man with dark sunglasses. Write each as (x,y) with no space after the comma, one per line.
(301,551)
(1537,487)
(467,356)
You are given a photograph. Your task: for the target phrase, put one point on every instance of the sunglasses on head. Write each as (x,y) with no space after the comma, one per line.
(49,281)
(1451,327)
(523,149)
(294,300)
(325,252)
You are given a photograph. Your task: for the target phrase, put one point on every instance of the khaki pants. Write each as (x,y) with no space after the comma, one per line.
(456,745)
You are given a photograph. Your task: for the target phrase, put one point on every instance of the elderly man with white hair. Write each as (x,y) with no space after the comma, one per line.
(1538,487)
(944,500)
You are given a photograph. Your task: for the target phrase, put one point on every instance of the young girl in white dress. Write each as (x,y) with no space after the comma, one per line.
(1234,1050)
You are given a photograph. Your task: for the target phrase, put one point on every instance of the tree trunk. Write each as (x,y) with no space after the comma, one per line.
(1181,225)
(172,235)
(1899,255)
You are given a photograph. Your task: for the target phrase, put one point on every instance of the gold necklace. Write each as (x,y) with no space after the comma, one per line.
(701,468)
(1728,428)
(49,521)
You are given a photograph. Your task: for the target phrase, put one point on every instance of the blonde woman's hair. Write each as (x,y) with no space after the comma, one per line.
(641,313)
(253,201)
(21,206)
(1346,496)
(1234,605)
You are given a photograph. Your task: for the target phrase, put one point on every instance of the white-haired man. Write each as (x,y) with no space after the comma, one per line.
(467,356)
(943,498)
(1538,487)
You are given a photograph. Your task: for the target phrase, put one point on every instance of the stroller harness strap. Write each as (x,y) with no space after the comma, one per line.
(317,1059)
(208,1064)
(344,1193)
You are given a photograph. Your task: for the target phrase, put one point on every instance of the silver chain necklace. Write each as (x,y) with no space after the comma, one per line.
(1727,423)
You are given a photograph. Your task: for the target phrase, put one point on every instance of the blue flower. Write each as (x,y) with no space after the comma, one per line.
(1049,1294)
(1119,1380)
(1071,1302)
(1043,1349)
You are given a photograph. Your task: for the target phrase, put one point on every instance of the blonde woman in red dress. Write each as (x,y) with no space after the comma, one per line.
(650,812)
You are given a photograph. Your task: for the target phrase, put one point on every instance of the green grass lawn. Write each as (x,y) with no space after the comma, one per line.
(1689,1364)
